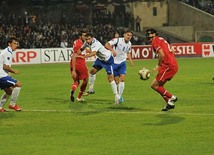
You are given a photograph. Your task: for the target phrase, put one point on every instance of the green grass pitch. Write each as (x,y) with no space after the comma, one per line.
(51,124)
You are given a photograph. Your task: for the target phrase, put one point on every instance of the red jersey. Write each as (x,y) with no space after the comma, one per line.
(81,68)
(76,46)
(169,58)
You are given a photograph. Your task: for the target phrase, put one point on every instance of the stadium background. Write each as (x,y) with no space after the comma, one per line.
(44,24)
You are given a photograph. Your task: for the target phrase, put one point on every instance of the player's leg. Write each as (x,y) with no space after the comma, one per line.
(84,76)
(82,89)
(74,86)
(122,75)
(167,96)
(110,75)
(14,97)
(75,82)
(92,78)
(114,88)
(121,87)
(4,98)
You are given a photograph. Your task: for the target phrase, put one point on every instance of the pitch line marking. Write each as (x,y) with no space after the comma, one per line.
(125,112)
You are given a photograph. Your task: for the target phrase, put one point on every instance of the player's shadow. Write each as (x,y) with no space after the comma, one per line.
(123,108)
(166,119)
(56,100)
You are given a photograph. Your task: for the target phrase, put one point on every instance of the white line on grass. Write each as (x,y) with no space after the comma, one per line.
(124,112)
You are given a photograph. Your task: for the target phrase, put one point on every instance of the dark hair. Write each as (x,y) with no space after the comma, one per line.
(128,31)
(81,32)
(10,39)
(151,31)
(89,35)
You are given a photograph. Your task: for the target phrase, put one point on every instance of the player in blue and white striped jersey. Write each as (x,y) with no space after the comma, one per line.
(11,86)
(104,60)
(122,47)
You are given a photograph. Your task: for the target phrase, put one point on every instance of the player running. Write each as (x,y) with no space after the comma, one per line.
(104,60)
(167,67)
(78,68)
(122,47)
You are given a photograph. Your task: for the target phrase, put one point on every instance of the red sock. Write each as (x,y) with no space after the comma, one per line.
(83,85)
(80,94)
(164,93)
(165,98)
(74,86)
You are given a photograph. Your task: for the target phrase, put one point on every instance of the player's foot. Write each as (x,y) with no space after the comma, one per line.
(117,100)
(172,100)
(168,107)
(16,108)
(72,96)
(121,99)
(3,110)
(89,92)
(80,100)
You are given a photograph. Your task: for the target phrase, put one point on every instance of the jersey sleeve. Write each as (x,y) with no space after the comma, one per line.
(113,41)
(7,59)
(96,46)
(77,45)
(156,45)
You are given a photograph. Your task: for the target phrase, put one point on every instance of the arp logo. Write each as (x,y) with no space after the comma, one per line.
(24,56)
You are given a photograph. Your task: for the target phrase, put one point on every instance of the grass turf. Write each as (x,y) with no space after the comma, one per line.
(51,124)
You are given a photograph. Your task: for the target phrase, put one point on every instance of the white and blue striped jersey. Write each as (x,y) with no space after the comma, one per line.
(101,52)
(122,48)
(5,58)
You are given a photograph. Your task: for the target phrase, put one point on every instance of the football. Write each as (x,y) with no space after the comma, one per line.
(144,74)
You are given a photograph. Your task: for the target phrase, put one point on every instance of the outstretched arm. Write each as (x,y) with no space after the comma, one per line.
(109,47)
(90,54)
(160,59)
(9,69)
(130,59)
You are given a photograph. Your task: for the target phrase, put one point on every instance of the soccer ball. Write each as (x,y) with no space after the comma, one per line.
(144,74)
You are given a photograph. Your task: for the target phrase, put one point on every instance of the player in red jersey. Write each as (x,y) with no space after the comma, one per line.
(78,68)
(167,67)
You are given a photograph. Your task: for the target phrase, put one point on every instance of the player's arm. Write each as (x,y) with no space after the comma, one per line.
(160,59)
(91,54)
(9,69)
(130,59)
(110,48)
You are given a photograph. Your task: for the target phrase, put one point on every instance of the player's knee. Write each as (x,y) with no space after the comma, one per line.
(18,84)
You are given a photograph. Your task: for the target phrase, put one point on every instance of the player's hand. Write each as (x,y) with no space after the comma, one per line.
(16,72)
(114,53)
(74,74)
(87,49)
(155,69)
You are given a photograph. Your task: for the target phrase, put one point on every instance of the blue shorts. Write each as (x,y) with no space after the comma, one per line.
(107,65)
(7,82)
(119,69)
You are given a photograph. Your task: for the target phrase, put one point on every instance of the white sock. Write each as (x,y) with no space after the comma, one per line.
(121,87)
(15,95)
(4,99)
(114,87)
(92,79)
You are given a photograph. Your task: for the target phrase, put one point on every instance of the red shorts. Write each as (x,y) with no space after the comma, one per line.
(81,70)
(166,73)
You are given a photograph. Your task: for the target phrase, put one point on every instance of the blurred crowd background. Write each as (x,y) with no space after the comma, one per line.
(58,25)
